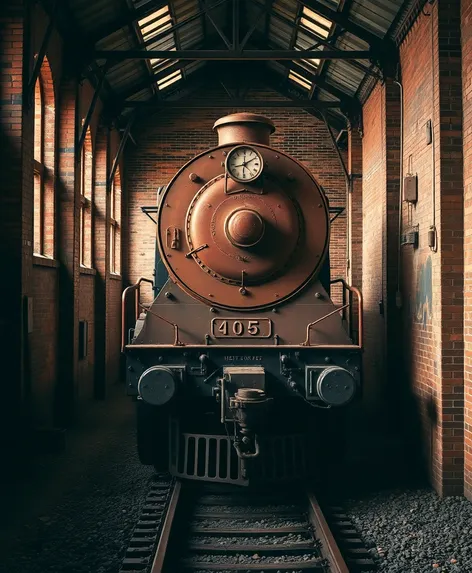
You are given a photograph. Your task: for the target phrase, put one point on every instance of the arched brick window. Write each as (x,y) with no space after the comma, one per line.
(115,224)
(44,149)
(86,201)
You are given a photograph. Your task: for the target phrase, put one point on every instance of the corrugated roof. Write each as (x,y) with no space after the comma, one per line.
(289,24)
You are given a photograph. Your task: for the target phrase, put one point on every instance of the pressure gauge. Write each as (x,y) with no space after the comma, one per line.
(244,163)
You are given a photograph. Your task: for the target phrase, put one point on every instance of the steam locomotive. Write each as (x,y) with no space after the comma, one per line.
(242,352)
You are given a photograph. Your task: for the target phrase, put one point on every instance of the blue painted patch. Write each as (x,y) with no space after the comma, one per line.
(424,292)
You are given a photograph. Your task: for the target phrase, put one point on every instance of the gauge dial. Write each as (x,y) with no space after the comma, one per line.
(244,163)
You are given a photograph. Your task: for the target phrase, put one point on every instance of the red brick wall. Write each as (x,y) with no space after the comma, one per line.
(431,282)
(373,197)
(11,134)
(47,378)
(467,103)
(167,141)
(43,341)
(85,382)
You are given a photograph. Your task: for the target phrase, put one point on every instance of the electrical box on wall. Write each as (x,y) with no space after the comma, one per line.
(410,189)
(410,236)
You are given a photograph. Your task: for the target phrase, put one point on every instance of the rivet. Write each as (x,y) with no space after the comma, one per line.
(210,295)
(290,177)
(274,310)
(276,157)
(225,153)
(130,368)
(194,177)
(168,295)
(211,157)
(243,291)
(327,359)
(160,359)
(320,205)
(276,294)
(212,309)
(317,295)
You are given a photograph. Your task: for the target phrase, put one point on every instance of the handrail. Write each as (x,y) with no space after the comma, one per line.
(137,288)
(348,305)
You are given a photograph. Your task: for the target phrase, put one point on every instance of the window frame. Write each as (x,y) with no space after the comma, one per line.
(115,226)
(86,205)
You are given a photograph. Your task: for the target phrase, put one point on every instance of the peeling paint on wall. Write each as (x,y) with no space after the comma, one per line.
(424,292)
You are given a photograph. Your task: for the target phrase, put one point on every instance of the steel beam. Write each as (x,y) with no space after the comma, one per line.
(343,20)
(232,55)
(41,54)
(91,109)
(120,150)
(227,103)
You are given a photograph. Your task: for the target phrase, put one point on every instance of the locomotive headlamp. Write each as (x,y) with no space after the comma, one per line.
(158,385)
(244,164)
(336,386)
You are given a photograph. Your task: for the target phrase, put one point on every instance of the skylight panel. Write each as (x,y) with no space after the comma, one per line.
(315,23)
(169,80)
(300,80)
(151,26)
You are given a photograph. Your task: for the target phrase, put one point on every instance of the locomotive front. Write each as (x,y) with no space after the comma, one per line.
(243,345)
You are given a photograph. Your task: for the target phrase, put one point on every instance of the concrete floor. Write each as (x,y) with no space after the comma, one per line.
(75,511)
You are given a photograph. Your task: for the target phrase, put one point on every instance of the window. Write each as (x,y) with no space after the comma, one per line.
(115,225)
(43,159)
(39,169)
(86,166)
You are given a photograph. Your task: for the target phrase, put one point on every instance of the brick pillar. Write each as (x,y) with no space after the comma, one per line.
(101,255)
(16,124)
(467,103)
(354,216)
(68,253)
(449,454)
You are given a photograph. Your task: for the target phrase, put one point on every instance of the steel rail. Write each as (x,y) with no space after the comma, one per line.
(329,547)
(159,558)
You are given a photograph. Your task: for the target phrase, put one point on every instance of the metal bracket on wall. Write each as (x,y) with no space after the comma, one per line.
(91,109)
(335,212)
(120,150)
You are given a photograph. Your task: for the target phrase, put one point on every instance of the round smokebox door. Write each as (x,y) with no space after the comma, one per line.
(336,386)
(157,385)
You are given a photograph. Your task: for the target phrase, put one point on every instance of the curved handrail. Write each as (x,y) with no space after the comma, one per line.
(360,321)
(135,287)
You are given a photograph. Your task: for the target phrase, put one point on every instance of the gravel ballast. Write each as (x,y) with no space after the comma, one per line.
(76,513)
(415,531)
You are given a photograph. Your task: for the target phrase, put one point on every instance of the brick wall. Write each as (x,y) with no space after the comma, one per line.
(427,387)
(11,133)
(47,378)
(467,103)
(373,196)
(167,142)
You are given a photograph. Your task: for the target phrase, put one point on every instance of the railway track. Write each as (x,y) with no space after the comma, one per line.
(217,528)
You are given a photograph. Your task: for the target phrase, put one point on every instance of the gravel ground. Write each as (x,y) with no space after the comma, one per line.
(415,531)
(80,521)
(248,524)
(74,513)
(290,539)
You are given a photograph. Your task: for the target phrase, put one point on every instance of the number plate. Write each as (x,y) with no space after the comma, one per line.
(241,327)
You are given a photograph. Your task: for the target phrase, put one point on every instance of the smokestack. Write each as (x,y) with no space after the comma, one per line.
(244,127)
